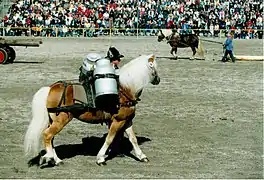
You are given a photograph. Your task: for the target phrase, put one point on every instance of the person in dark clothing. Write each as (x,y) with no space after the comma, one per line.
(114,56)
(228,47)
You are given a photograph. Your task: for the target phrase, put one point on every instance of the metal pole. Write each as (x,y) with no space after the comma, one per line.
(110,30)
(3,17)
(3,9)
(137,18)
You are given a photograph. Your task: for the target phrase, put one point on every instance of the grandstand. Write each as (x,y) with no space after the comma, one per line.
(127,17)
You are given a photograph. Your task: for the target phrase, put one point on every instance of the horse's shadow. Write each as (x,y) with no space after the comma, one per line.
(90,146)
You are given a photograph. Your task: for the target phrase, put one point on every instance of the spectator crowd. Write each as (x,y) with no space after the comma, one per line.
(94,17)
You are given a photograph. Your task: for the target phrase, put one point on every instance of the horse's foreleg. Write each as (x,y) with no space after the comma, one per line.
(114,128)
(174,49)
(132,138)
(194,52)
(58,122)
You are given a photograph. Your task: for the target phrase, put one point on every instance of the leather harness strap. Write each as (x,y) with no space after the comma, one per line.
(130,102)
(63,97)
(63,94)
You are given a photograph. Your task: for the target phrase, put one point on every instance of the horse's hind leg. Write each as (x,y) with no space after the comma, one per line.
(194,52)
(174,49)
(132,138)
(58,122)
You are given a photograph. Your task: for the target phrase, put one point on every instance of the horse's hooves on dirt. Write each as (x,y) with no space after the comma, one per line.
(51,162)
(101,163)
(60,163)
(45,160)
(144,160)
(42,160)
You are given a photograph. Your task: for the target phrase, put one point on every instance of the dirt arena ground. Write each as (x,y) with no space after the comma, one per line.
(204,120)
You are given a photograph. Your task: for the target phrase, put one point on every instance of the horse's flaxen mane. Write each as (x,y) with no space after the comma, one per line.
(136,74)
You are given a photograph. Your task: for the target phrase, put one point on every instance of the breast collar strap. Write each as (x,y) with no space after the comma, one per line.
(130,102)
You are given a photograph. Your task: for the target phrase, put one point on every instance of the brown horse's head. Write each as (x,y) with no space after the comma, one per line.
(161,36)
(164,34)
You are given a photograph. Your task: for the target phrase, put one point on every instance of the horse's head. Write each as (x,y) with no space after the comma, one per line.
(136,74)
(161,36)
(155,79)
(164,34)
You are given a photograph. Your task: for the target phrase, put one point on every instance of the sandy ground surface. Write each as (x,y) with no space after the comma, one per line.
(204,120)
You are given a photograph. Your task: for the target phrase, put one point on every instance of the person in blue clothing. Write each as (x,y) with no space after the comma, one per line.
(228,47)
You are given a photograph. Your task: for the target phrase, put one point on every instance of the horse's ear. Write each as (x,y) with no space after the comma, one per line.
(151,59)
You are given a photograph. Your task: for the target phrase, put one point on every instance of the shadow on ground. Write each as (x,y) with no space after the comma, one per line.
(90,146)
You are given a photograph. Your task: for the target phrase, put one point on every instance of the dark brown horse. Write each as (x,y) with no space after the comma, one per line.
(181,41)
(54,107)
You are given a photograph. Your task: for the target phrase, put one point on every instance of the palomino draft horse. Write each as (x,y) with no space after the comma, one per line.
(133,77)
(180,40)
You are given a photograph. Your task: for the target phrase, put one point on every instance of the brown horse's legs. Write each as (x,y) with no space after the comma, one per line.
(55,127)
(194,52)
(132,138)
(174,49)
(114,128)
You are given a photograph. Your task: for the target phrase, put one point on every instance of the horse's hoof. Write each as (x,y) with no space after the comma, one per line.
(101,163)
(45,160)
(42,160)
(60,163)
(144,160)
(51,162)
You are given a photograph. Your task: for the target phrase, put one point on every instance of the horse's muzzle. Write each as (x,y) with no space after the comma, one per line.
(156,80)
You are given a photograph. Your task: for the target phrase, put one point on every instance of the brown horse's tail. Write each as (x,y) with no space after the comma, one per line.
(40,121)
(200,49)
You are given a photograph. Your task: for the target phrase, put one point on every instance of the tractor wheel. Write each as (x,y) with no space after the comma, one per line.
(3,56)
(11,54)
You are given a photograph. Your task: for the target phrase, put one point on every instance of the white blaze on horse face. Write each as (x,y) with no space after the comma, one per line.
(151,64)
(159,33)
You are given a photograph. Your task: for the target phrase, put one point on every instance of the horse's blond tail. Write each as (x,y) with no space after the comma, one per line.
(40,121)
(200,49)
